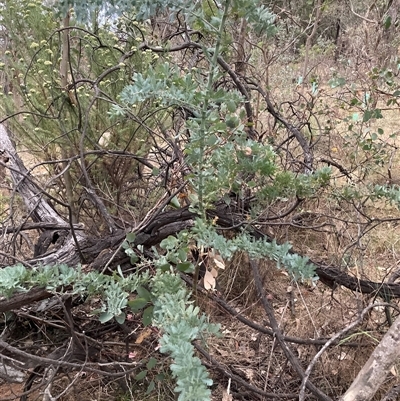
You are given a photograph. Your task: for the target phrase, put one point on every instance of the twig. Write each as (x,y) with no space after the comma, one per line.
(238,379)
(329,343)
(278,334)
(360,16)
(88,367)
(148,219)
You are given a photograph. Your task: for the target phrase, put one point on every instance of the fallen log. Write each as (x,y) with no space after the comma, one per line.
(72,246)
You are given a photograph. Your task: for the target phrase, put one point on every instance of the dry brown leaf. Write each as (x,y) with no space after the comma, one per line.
(219,262)
(249,373)
(143,335)
(209,281)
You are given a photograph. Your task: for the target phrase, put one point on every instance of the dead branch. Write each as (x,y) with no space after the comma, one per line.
(170,223)
(373,373)
(279,336)
(36,206)
(212,363)
(26,298)
(341,333)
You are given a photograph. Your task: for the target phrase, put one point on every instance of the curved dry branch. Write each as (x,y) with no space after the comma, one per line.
(36,206)
(264,330)
(328,343)
(307,152)
(374,372)
(279,336)
(212,363)
(98,251)
(226,67)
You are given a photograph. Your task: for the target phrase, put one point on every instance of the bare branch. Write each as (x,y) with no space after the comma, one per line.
(374,372)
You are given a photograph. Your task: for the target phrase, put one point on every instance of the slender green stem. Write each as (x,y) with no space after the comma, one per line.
(204,111)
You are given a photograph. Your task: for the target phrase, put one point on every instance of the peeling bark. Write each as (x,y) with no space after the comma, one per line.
(32,195)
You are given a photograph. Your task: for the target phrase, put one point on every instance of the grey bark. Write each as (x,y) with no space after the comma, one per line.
(375,370)
(31,193)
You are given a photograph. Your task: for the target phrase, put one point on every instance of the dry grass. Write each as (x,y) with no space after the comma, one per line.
(304,312)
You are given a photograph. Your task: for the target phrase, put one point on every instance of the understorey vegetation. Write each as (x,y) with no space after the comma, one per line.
(199,200)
